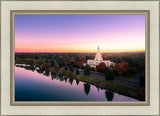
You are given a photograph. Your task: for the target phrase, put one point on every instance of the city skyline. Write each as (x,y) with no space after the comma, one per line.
(79,33)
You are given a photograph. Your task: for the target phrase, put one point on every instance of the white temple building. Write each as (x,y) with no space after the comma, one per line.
(98,59)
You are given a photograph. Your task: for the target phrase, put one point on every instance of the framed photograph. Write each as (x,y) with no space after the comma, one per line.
(79,58)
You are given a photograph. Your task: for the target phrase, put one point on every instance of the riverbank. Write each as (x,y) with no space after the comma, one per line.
(109,85)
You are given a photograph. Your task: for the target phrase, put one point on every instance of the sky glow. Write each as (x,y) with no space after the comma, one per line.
(79,33)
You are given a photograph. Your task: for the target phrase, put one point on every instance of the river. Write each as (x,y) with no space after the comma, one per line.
(34,86)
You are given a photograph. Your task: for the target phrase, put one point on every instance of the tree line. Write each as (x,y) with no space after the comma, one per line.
(126,63)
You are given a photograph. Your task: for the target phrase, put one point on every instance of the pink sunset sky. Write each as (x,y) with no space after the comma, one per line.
(79,33)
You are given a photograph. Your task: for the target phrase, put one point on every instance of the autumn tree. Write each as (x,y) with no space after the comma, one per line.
(101,67)
(122,69)
(70,74)
(46,66)
(56,68)
(71,62)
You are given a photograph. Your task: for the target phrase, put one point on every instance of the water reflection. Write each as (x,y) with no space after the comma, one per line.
(27,67)
(46,73)
(61,79)
(61,89)
(70,81)
(39,71)
(97,89)
(65,79)
(52,75)
(109,95)
(86,88)
(32,68)
(60,75)
(77,82)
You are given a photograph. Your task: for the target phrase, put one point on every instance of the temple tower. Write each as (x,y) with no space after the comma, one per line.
(98,56)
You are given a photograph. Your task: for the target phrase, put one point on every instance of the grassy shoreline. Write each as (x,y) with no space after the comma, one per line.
(109,85)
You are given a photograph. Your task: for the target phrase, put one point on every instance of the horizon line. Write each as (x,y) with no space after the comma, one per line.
(86,52)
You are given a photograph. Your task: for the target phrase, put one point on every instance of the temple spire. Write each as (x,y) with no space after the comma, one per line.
(98,56)
(98,47)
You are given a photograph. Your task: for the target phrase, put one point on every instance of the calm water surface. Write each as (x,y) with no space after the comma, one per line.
(33,86)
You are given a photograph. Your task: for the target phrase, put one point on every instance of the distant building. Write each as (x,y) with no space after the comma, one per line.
(98,59)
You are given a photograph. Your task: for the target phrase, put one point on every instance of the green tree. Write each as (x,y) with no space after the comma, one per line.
(55,63)
(77,72)
(30,62)
(52,63)
(71,69)
(66,68)
(87,70)
(46,60)
(109,75)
